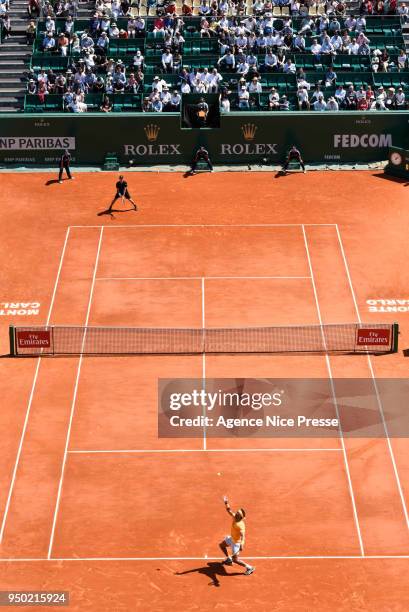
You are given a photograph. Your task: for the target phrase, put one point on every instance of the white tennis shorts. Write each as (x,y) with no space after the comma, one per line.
(235,547)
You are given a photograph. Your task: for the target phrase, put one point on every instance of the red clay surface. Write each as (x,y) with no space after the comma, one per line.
(133,528)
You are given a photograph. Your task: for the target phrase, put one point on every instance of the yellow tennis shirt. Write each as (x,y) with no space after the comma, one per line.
(238,528)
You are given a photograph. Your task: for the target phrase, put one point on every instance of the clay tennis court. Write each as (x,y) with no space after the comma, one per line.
(91,500)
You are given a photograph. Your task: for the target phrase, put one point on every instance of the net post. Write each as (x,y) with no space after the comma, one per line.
(12,337)
(395,337)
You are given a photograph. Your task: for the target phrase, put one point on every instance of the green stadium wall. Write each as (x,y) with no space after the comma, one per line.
(150,139)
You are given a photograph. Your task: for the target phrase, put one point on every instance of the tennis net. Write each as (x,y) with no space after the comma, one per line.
(77,340)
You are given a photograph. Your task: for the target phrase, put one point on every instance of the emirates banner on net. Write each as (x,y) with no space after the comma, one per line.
(283,408)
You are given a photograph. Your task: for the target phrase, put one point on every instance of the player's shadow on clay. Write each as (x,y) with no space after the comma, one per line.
(52,182)
(110,211)
(212,570)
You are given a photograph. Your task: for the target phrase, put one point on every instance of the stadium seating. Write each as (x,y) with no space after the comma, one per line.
(384,33)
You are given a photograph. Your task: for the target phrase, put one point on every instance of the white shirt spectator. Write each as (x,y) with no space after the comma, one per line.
(320,104)
(302,95)
(255,87)
(315,48)
(185,88)
(289,67)
(214,80)
(175,99)
(50,25)
(158,84)
(225,105)
(353,48)
(340,93)
(350,22)
(167,60)
(332,105)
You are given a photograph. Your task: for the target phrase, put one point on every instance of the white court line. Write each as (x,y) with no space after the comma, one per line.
(201,450)
(204,357)
(172,278)
(334,397)
(256,558)
(209,225)
(30,401)
(67,440)
(378,398)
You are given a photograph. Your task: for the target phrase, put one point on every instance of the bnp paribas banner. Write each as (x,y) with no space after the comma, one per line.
(250,138)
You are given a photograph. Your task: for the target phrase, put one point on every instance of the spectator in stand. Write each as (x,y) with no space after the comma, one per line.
(138,60)
(302,98)
(403,12)
(158,27)
(289,67)
(214,81)
(384,60)
(31,33)
(77,105)
(273,99)
(340,94)
(390,98)
(62,44)
(330,79)
(332,104)
(353,47)
(400,99)
(224,103)
(157,106)
(32,87)
(320,104)
(113,30)
(60,84)
(69,26)
(50,25)
(75,45)
(270,62)
(299,43)
(186,9)
(165,97)
(146,105)
(284,104)
(86,41)
(48,42)
(33,8)
(227,62)
(243,98)
(402,60)
(167,61)
(255,86)
(132,85)
(175,99)
(104,24)
(316,49)
(362,103)
(375,60)
(350,102)
(106,106)
(102,44)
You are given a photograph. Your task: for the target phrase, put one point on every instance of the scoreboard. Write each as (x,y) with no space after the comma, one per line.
(398,162)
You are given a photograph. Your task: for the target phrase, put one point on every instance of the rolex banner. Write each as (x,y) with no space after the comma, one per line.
(243,138)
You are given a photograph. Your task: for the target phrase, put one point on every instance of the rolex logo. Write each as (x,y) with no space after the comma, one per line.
(152,132)
(249,131)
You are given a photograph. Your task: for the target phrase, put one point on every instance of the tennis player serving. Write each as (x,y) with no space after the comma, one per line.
(236,539)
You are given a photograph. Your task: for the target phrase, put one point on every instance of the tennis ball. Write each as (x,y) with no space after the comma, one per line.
(219,473)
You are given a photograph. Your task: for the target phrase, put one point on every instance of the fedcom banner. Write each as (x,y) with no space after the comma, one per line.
(152,139)
(283,408)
